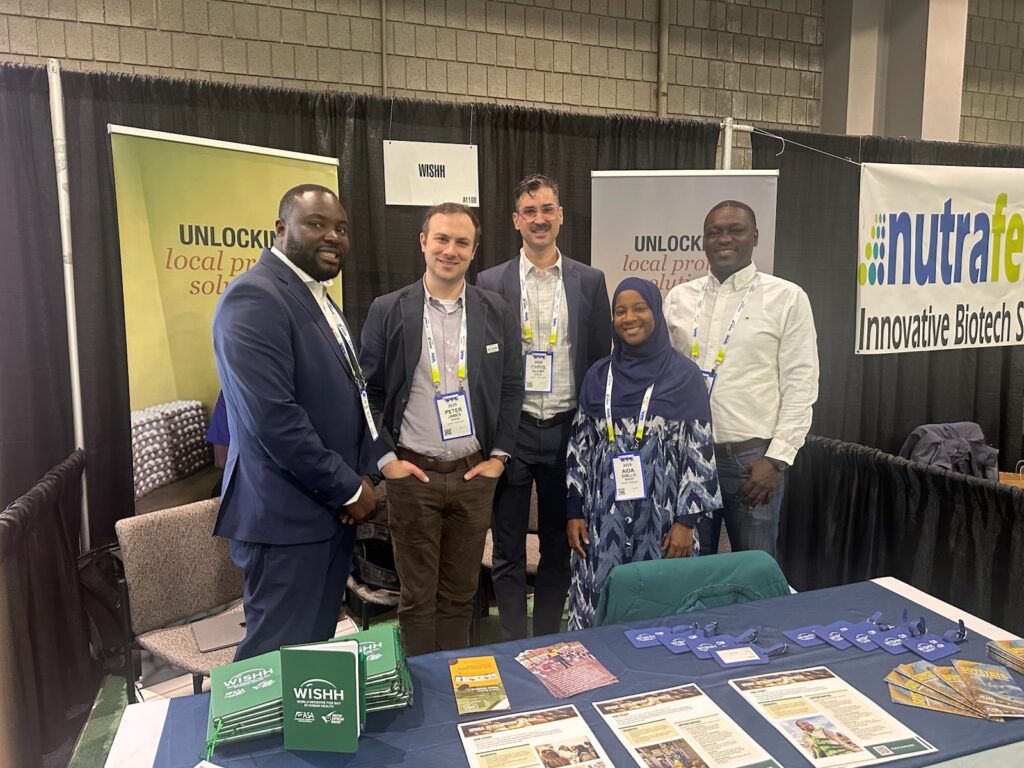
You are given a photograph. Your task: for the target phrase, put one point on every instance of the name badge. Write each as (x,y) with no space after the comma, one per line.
(629,477)
(710,377)
(538,370)
(453,415)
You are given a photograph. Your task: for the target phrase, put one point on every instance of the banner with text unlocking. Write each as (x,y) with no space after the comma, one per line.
(192,214)
(939,258)
(650,224)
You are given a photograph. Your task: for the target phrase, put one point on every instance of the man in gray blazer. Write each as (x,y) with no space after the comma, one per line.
(565,326)
(444,380)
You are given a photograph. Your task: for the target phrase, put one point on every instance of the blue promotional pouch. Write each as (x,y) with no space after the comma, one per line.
(859,634)
(805,637)
(646,638)
(676,641)
(932,647)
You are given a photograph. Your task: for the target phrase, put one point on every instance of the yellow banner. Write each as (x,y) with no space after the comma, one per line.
(192,215)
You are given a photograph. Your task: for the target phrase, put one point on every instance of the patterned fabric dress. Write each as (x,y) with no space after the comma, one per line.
(678,459)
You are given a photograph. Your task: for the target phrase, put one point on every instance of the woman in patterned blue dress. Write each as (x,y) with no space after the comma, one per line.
(677,481)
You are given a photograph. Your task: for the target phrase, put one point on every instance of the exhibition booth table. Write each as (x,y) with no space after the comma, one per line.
(171,733)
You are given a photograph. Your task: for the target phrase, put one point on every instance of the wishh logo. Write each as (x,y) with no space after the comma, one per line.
(945,247)
(243,679)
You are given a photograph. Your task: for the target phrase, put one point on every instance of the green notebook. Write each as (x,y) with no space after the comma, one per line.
(245,692)
(323,696)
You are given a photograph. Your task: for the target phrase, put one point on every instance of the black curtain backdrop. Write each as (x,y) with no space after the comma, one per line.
(385,253)
(877,400)
(35,387)
(49,678)
(853,513)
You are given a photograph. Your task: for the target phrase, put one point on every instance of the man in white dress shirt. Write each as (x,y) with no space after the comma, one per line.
(752,334)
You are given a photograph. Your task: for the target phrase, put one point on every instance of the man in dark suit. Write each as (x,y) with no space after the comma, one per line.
(444,377)
(566,327)
(293,483)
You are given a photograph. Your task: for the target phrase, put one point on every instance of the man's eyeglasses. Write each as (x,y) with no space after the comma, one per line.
(530,213)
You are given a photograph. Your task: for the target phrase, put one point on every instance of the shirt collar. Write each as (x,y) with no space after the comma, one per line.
(737,280)
(317,286)
(528,266)
(460,300)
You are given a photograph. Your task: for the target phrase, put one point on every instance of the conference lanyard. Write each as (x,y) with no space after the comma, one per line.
(525,310)
(435,371)
(641,420)
(354,368)
(695,347)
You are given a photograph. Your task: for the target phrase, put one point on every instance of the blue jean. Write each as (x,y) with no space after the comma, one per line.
(748,528)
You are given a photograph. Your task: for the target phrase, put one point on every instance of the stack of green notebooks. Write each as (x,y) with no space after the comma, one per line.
(245,699)
(388,685)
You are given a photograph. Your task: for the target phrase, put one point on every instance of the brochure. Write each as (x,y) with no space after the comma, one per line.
(566,668)
(827,721)
(548,738)
(681,726)
(477,685)
(993,687)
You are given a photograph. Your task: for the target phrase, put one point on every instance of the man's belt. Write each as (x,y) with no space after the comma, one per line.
(441,466)
(558,418)
(731,449)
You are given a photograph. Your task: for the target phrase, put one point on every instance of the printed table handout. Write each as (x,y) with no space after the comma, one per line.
(546,737)
(681,726)
(828,721)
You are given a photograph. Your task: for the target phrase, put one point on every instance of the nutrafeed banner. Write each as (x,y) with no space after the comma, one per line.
(939,258)
(650,224)
(192,215)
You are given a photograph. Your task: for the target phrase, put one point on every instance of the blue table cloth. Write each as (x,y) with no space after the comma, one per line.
(425,734)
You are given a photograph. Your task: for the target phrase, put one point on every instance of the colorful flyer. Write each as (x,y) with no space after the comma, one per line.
(477,685)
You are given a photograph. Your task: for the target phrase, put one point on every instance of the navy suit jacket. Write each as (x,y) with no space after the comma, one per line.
(299,441)
(391,345)
(586,299)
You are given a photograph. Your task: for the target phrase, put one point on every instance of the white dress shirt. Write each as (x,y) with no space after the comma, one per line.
(540,292)
(768,381)
(319,291)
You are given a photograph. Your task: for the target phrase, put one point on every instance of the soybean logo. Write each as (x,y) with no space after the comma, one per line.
(871,270)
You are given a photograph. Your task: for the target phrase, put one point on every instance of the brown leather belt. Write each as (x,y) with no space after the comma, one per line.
(731,449)
(441,466)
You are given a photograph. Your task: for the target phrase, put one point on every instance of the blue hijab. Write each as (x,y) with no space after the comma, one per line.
(679,389)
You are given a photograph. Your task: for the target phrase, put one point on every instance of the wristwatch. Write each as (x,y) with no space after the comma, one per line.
(779,464)
(504,458)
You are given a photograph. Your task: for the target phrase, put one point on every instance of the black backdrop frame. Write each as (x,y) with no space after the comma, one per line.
(512,142)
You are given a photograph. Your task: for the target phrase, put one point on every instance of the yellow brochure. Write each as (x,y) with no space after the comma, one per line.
(477,685)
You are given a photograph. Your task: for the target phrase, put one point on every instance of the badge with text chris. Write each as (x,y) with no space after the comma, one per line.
(324,689)
(245,700)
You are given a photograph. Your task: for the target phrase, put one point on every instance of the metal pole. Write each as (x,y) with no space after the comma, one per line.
(384,47)
(663,12)
(727,144)
(60,159)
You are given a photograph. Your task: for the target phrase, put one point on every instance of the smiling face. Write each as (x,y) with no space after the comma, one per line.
(729,239)
(538,217)
(448,244)
(314,235)
(633,318)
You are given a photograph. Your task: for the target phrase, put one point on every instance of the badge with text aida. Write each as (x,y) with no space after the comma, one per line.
(453,415)
(646,638)
(805,637)
(538,372)
(629,477)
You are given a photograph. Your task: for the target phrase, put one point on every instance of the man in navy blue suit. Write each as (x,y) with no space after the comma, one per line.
(566,326)
(295,483)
